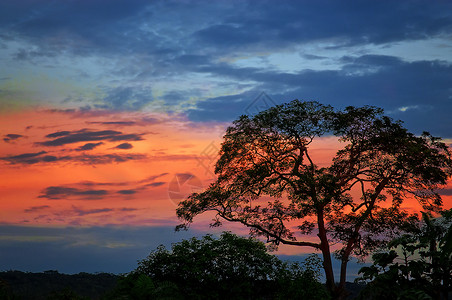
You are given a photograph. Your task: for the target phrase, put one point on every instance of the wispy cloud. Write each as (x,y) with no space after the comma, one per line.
(156,184)
(126,98)
(409,107)
(143,121)
(113,123)
(36,208)
(82,212)
(153,177)
(108,158)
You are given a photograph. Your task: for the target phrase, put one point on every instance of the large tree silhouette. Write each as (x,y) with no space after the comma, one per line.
(269,181)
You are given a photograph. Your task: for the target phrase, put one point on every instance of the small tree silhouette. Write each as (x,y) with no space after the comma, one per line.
(415,264)
(269,181)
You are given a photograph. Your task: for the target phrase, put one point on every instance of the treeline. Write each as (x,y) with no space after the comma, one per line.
(52,285)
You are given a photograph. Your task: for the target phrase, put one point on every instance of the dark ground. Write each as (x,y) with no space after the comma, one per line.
(53,285)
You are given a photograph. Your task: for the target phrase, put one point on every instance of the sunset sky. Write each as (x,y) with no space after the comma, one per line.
(113,111)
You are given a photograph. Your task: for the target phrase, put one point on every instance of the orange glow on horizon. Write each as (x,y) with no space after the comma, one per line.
(108,185)
(168,146)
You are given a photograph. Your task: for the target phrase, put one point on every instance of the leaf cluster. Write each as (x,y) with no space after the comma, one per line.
(419,262)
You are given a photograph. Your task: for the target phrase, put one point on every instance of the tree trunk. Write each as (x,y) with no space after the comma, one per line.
(342,292)
(328,268)
(327,262)
(336,292)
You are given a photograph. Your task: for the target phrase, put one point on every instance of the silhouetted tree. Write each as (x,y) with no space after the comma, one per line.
(417,265)
(6,292)
(229,267)
(269,180)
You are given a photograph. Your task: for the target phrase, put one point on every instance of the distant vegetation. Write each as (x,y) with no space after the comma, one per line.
(51,285)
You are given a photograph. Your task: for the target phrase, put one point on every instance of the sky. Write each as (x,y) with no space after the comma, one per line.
(111,112)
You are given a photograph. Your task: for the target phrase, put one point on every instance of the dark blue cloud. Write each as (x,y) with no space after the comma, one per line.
(127,192)
(155,184)
(89,159)
(58,134)
(116,29)
(33,158)
(353,22)
(65,193)
(88,146)
(26,156)
(69,137)
(10,137)
(124,146)
(411,91)
(84,24)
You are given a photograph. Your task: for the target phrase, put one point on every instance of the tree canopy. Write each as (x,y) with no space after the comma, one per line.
(269,181)
(228,267)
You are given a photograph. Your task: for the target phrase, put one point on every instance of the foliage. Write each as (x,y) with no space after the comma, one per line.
(269,181)
(301,281)
(414,266)
(141,287)
(229,267)
(6,292)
